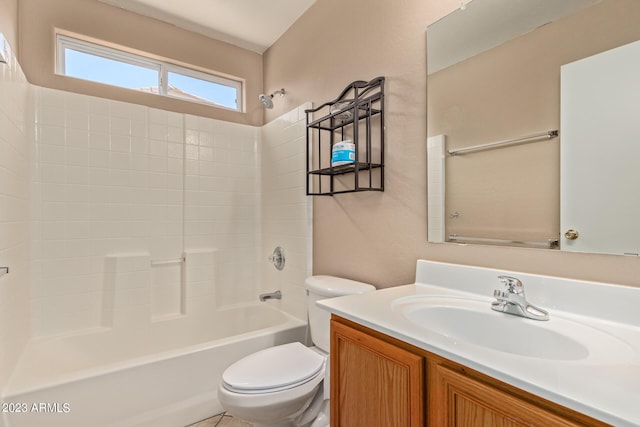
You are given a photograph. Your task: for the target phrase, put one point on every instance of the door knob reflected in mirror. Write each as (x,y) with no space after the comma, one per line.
(571,234)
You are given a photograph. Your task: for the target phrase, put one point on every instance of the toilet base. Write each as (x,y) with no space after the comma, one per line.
(282,424)
(316,415)
(322,419)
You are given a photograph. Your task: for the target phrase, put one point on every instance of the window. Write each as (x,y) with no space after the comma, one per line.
(90,61)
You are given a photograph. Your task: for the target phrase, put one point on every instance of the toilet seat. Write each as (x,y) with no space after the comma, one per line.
(274,369)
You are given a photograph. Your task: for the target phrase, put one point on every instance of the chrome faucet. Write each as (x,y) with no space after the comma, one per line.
(271,295)
(513,301)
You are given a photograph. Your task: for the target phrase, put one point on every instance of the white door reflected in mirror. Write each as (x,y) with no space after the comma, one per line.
(600,151)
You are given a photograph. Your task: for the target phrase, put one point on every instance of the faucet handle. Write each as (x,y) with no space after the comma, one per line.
(501,295)
(513,285)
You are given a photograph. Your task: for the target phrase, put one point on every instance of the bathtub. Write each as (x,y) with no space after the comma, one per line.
(165,374)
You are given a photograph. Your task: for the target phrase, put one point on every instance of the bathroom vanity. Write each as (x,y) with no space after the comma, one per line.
(381,381)
(434,353)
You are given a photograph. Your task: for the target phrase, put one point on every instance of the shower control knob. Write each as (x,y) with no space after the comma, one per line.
(277,258)
(571,234)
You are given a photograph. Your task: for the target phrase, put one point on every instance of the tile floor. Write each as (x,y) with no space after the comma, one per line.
(221,420)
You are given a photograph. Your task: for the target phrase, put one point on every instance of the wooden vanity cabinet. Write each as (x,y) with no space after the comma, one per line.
(380,381)
(462,400)
(375,383)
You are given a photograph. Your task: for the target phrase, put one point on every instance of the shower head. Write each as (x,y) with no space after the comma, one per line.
(267,100)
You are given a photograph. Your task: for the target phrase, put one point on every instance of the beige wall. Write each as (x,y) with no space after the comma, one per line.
(39,18)
(9,22)
(377,237)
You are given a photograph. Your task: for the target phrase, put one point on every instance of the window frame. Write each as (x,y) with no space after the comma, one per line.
(161,66)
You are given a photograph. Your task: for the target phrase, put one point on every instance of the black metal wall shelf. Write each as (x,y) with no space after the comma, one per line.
(342,169)
(356,115)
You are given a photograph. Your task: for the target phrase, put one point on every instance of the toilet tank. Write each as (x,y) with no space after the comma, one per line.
(323,287)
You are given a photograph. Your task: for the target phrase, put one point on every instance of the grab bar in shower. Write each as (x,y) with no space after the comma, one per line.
(168,261)
(550,243)
(506,143)
(3,271)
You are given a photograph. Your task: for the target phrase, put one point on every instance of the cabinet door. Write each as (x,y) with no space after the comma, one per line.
(373,382)
(459,400)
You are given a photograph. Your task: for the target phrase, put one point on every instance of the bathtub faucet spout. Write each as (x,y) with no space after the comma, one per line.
(271,295)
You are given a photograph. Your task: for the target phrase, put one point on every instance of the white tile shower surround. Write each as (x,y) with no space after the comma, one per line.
(116,178)
(15,136)
(286,217)
(134,292)
(119,178)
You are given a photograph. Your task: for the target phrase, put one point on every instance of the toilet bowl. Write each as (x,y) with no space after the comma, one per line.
(287,385)
(273,386)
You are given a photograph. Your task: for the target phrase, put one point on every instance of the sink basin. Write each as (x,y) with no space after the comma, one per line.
(471,321)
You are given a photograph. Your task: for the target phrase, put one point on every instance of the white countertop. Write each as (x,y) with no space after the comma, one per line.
(602,385)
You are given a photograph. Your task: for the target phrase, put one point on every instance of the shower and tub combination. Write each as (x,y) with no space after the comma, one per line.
(153,236)
(162,374)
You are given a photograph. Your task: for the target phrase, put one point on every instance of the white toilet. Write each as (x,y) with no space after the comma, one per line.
(288,385)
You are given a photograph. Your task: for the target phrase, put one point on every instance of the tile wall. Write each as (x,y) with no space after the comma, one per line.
(286,210)
(222,202)
(16,105)
(136,293)
(117,178)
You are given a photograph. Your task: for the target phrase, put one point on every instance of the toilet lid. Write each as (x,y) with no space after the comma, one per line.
(274,369)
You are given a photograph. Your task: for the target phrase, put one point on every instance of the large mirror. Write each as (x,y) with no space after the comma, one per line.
(515,91)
